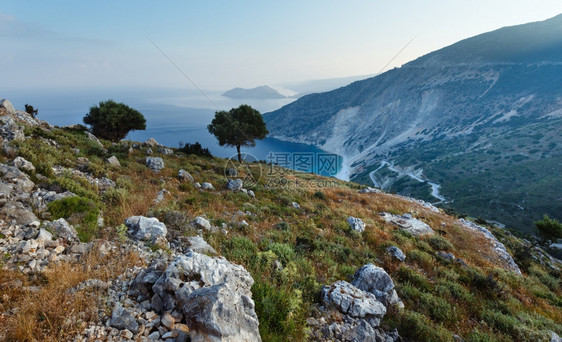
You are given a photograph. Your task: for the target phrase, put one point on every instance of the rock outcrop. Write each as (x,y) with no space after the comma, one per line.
(353,312)
(155,163)
(211,295)
(375,280)
(147,229)
(407,223)
(499,247)
(356,224)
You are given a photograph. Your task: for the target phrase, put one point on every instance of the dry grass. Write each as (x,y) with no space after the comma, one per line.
(43,309)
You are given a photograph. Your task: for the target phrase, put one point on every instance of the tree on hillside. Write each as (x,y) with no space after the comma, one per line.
(112,121)
(238,127)
(549,230)
(30,110)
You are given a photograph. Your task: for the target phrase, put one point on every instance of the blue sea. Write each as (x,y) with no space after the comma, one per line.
(173,116)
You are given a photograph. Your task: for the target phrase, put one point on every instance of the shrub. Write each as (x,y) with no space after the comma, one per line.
(115,197)
(439,243)
(454,290)
(280,312)
(480,336)
(79,187)
(284,252)
(320,195)
(195,149)
(240,250)
(30,110)
(499,320)
(549,229)
(421,258)
(419,328)
(407,275)
(81,212)
(112,121)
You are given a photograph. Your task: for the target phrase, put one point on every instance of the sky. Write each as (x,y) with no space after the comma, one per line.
(224,44)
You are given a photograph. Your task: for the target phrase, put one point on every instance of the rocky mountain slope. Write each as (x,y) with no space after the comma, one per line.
(139,242)
(476,125)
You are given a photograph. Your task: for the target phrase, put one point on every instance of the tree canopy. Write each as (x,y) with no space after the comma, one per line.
(238,127)
(549,229)
(112,121)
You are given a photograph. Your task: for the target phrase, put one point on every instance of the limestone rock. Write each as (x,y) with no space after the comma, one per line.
(375,280)
(151,142)
(354,302)
(122,318)
(369,190)
(199,245)
(220,313)
(113,161)
(499,247)
(147,229)
(18,212)
(22,164)
(184,175)
(7,105)
(155,163)
(207,186)
(94,139)
(201,222)
(234,184)
(408,223)
(356,224)
(396,253)
(214,296)
(63,230)
(166,151)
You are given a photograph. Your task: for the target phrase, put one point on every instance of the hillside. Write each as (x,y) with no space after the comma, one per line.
(476,124)
(263,92)
(136,241)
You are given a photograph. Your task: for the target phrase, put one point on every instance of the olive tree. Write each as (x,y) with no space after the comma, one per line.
(112,121)
(238,127)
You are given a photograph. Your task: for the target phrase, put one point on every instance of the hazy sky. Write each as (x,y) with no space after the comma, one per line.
(222,44)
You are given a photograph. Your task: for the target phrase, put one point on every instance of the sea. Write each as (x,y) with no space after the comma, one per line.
(174,117)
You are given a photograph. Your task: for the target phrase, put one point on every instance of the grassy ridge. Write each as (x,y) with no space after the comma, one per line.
(291,252)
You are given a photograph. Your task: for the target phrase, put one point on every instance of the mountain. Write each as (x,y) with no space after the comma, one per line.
(134,241)
(476,125)
(321,85)
(263,92)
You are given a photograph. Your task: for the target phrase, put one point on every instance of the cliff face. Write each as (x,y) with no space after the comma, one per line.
(485,111)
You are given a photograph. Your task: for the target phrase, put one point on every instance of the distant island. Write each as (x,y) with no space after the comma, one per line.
(263,92)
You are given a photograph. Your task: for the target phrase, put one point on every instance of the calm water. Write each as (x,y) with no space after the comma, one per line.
(173,116)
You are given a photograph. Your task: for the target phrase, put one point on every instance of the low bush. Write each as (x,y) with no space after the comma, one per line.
(419,328)
(439,243)
(421,258)
(81,212)
(284,252)
(407,275)
(195,149)
(239,250)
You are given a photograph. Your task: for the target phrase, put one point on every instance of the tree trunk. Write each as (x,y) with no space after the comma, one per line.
(239,155)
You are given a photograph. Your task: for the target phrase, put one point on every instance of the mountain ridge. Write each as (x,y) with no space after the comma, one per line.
(398,116)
